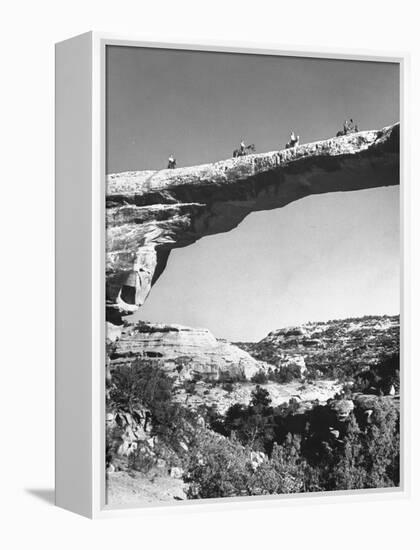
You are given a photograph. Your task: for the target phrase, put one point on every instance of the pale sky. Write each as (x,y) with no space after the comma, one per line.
(323,257)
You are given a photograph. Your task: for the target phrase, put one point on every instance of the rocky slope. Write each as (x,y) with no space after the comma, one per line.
(216,396)
(151,212)
(330,348)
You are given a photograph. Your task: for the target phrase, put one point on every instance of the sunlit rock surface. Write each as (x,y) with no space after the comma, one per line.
(190,352)
(337,343)
(151,212)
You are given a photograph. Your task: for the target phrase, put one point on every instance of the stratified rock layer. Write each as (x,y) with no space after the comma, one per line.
(358,341)
(151,212)
(187,351)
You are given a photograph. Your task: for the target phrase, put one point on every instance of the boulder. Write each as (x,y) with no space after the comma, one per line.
(342,408)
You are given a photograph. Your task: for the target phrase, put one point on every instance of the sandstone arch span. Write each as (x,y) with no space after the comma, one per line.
(151,212)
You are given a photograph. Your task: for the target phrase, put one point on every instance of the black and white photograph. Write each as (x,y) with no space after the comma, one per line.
(252,275)
(210,275)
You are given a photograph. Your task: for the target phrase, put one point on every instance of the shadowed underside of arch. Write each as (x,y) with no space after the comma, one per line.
(149,213)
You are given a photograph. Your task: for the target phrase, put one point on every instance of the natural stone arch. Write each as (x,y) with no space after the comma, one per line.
(151,212)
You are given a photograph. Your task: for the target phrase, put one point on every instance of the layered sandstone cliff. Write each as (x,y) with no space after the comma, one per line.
(190,352)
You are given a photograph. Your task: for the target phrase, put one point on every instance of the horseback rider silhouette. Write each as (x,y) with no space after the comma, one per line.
(349,127)
(294,141)
(171,161)
(243,149)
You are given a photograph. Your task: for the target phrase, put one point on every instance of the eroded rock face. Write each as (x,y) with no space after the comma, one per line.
(335,343)
(187,351)
(126,431)
(342,408)
(151,212)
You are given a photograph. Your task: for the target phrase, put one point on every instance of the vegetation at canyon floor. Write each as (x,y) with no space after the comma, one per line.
(157,427)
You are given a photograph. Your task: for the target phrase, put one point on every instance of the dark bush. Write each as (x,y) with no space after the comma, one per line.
(286,374)
(228,386)
(260,378)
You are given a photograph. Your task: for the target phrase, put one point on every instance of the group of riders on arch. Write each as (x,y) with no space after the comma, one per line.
(349,127)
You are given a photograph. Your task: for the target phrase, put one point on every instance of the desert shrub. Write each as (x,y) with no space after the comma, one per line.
(251,424)
(260,398)
(286,374)
(286,470)
(380,377)
(226,377)
(360,452)
(141,461)
(213,418)
(222,467)
(228,386)
(382,445)
(311,459)
(286,409)
(218,467)
(260,378)
(347,469)
(189,386)
(369,457)
(143,384)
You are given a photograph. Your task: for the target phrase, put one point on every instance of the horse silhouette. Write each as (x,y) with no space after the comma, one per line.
(351,130)
(242,152)
(292,143)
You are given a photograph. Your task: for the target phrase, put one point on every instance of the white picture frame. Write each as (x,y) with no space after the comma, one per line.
(80,273)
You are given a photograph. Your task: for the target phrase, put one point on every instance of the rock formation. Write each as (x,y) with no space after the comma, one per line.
(331,345)
(342,408)
(151,212)
(190,352)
